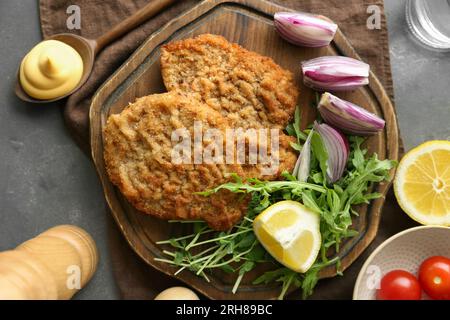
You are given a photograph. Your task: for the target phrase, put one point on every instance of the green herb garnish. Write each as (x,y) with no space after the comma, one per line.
(238,251)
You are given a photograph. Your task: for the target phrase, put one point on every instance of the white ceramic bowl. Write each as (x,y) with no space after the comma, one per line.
(405,250)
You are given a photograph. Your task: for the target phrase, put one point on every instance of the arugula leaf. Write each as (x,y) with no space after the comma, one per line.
(293,129)
(270,276)
(357,154)
(320,152)
(227,268)
(265,188)
(309,281)
(290,130)
(310,201)
(295,146)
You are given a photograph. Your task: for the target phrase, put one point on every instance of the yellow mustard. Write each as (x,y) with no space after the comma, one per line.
(50,70)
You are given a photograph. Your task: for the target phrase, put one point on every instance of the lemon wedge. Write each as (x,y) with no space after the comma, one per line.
(290,232)
(422,183)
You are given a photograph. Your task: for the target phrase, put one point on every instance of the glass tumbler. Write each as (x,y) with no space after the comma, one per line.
(429,21)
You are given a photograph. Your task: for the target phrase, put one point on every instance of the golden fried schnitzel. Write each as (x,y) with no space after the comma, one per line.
(138,152)
(221,86)
(251,90)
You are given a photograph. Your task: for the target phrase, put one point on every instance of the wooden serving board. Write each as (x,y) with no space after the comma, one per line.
(249,23)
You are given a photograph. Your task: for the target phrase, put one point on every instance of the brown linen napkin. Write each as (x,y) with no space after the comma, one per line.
(134,278)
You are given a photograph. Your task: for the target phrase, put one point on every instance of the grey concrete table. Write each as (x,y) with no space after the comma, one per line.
(45,180)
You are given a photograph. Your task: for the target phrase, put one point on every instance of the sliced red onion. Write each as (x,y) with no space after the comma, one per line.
(305,29)
(303,164)
(337,148)
(348,117)
(335,73)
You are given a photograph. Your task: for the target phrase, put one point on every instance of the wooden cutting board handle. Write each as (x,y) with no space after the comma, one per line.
(54,265)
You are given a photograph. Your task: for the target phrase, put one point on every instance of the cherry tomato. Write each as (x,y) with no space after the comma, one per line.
(434,276)
(399,285)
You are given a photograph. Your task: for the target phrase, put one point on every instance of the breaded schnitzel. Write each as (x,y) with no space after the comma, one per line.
(251,90)
(222,86)
(138,159)
(138,149)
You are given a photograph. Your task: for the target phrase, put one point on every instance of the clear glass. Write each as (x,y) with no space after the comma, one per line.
(429,21)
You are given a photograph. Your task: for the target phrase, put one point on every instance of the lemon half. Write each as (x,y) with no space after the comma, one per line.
(290,232)
(422,183)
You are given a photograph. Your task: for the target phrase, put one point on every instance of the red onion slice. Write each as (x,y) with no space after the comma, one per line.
(337,148)
(335,73)
(305,29)
(348,117)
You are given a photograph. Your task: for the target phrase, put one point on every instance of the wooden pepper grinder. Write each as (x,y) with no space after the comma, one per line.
(54,265)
